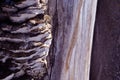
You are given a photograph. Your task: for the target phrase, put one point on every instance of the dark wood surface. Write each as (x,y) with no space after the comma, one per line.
(105,64)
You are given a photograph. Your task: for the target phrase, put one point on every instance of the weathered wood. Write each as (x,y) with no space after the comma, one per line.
(73,25)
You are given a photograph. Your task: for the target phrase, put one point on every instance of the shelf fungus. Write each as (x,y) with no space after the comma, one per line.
(25,39)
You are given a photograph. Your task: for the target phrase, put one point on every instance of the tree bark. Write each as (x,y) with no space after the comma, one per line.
(73,25)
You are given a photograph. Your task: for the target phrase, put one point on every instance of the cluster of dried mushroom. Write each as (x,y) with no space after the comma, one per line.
(25,38)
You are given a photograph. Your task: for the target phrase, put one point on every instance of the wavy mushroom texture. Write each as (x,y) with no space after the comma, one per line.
(25,38)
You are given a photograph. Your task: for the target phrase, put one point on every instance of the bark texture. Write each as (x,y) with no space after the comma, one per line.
(25,39)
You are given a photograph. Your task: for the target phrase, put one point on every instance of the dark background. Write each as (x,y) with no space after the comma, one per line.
(105,63)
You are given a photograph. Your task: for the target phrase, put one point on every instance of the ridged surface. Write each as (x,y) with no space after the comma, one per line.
(25,38)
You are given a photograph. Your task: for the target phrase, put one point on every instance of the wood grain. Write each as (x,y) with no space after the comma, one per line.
(73,25)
